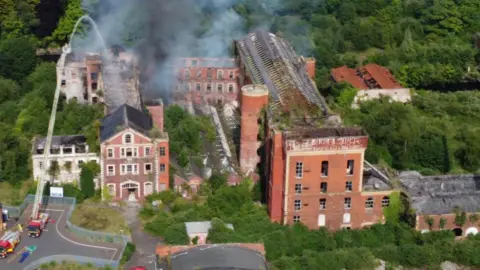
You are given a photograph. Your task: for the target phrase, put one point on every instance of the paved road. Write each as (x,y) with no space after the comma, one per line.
(145,243)
(57,240)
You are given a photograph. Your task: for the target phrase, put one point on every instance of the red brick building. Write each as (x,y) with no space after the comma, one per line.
(314,167)
(206,80)
(371,76)
(134,152)
(446,198)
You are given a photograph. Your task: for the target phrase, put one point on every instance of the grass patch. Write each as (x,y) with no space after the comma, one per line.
(97,218)
(12,195)
(71,266)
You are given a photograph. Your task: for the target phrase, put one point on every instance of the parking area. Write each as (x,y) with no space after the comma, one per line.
(56,240)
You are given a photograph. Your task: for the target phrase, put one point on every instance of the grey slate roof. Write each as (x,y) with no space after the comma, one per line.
(201,227)
(123,117)
(272,61)
(435,195)
(57,141)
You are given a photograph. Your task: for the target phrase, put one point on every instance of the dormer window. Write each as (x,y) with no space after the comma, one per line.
(127,138)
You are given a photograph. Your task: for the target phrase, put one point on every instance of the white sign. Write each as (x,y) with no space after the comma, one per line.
(56,192)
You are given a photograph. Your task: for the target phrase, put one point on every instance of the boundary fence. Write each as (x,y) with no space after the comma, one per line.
(93,236)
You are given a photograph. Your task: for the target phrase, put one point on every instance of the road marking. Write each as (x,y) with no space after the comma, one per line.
(80,244)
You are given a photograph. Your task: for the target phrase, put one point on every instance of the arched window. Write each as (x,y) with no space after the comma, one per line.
(385,201)
(127,138)
(369,203)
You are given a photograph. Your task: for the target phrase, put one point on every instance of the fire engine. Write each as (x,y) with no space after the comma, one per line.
(36,226)
(8,243)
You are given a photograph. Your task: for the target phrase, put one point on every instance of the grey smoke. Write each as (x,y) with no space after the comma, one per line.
(161,31)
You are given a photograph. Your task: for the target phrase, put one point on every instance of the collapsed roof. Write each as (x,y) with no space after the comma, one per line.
(125,117)
(270,60)
(57,141)
(436,195)
(371,76)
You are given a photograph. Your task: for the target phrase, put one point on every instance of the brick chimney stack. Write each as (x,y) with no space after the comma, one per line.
(253,99)
(310,67)
(155,108)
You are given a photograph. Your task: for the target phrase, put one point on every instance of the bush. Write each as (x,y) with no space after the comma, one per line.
(176,234)
(128,252)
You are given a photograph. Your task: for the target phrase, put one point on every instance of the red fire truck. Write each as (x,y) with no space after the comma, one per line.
(36,226)
(8,243)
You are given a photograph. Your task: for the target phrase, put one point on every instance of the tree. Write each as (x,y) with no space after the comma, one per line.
(66,24)
(87,184)
(217,181)
(18,58)
(54,169)
(429,220)
(442,223)
(176,234)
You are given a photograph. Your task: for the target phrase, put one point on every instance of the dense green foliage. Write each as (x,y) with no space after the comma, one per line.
(186,133)
(434,134)
(128,252)
(87,186)
(24,113)
(297,247)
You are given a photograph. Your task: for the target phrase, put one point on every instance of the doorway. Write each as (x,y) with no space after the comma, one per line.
(131,191)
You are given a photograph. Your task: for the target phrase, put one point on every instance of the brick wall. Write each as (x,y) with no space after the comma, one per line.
(421,223)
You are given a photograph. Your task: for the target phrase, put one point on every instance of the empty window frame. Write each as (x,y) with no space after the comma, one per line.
(220,87)
(369,203)
(323,204)
(231,88)
(186,74)
(198,87)
(162,151)
(209,73)
(323,187)
(162,167)
(347,203)
(350,166)
(348,186)
(220,74)
(94,86)
(299,169)
(231,74)
(209,87)
(186,87)
(129,152)
(324,168)
(148,168)
(296,219)
(297,205)
(147,150)
(298,188)
(94,76)
(385,201)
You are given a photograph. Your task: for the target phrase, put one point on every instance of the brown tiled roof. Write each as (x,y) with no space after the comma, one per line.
(371,76)
(381,75)
(345,74)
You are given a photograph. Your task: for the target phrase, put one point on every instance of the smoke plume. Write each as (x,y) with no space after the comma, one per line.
(161,31)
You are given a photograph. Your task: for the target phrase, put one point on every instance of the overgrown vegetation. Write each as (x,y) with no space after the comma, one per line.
(128,253)
(297,247)
(185,133)
(71,266)
(99,218)
(434,135)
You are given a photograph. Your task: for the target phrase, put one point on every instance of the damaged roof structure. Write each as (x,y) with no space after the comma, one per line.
(371,76)
(437,195)
(272,61)
(58,141)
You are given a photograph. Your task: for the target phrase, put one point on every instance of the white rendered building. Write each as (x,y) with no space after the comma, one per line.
(70,152)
